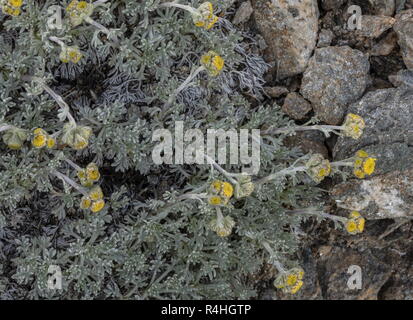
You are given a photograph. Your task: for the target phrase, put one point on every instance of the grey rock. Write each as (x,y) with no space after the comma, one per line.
(403,77)
(388,196)
(385,46)
(275,92)
(308,142)
(335,77)
(383,7)
(289,28)
(388,135)
(325,38)
(243,13)
(296,106)
(374,26)
(404,30)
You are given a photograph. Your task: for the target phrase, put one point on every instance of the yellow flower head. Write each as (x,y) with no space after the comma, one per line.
(215,200)
(212,62)
(92,172)
(290,281)
(12,11)
(96,193)
(40,138)
(222,227)
(353,126)
(14,138)
(76,136)
(78,11)
(216,186)
(318,168)
(221,192)
(204,16)
(363,164)
(97,205)
(85,202)
(51,142)
(355,223)
(15,3)
(71,54)
(227,190)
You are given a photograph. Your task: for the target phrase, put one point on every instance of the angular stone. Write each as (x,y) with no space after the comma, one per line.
(374,26)
(335,77)
(388,135)
(325,38)
(404,30)
(289,28)
(385,46)
(383,7)
(275,92)
(296,106)
(387,196)
(243,13)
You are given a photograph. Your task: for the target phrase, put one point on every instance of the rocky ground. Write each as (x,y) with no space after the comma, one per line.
(320,66)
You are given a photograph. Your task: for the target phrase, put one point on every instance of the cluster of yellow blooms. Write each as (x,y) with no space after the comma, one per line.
(14,138)
(89,175)
(353,126)
(11,7)
(72,54)
(76,136)
(318,168)
(220,193)
(363,164)
(78,11)
(204,16)
(94,201)
(41,139)
(212,62)
(355,223)
(290,281)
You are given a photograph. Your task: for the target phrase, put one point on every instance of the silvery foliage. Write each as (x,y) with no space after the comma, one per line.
(139,247)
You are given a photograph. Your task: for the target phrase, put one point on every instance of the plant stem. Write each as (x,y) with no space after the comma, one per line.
(184,85)
(53,94)
(69,181)
(281,173)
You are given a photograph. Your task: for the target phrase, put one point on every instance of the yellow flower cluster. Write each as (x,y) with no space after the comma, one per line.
(42,139)
(70,54)
(212,62)
(318,168)
(353,126)
(94,201)
(89,175)
(78,11)
(222,226)
(363,164)
(14,138)
(204,16)
(11,7)
(76,136)
(220,193)
(355,223)
(290,281)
